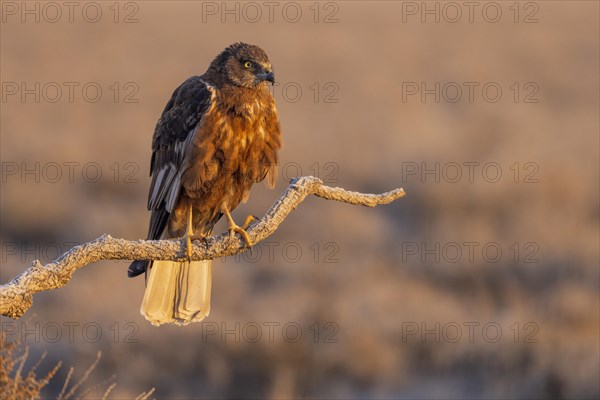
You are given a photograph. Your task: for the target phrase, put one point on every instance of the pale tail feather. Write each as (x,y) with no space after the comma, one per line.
(177,293)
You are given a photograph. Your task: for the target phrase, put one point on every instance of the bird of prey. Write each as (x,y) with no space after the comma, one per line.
(218,135)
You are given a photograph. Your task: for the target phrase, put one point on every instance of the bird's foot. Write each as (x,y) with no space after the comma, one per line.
(233,228)
(242,232)
(248,221)
(189,237)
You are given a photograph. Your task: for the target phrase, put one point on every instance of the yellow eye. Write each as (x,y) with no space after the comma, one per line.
(247,64)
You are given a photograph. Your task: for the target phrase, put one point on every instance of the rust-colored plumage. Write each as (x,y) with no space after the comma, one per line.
(218,135)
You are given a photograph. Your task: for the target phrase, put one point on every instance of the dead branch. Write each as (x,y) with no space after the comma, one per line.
(16,297)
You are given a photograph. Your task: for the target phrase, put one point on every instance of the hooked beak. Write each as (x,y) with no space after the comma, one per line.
(266,76)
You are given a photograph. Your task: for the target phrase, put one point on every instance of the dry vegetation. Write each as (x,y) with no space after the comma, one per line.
(363,283)
(20,382)
(15,383)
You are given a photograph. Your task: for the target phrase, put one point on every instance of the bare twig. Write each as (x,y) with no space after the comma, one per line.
(16,297)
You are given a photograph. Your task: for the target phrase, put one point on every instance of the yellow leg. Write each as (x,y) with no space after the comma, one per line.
(189,234)
(233,227)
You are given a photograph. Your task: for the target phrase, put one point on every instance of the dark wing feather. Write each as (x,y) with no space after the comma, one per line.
(173,135)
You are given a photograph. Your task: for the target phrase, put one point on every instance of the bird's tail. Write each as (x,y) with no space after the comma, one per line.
(177,292)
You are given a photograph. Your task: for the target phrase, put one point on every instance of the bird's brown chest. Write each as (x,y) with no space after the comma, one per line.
(235,146)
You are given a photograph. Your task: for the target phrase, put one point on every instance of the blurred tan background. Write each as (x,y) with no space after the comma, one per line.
(473,286)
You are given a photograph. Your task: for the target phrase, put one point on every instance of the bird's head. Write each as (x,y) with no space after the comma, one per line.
(244,65)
